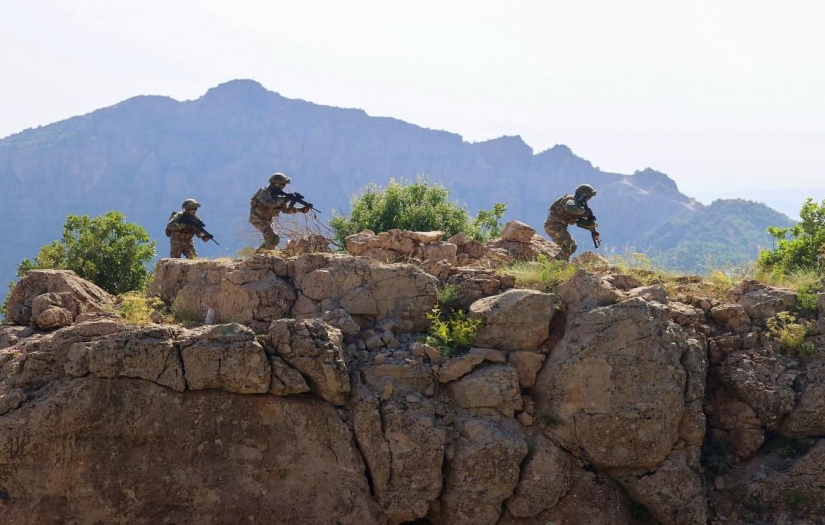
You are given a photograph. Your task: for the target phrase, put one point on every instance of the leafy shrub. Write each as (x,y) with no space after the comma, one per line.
(448,296)
(105,250)
(416,206)
(806,297)
(453,334)
(783,328)
(799,247)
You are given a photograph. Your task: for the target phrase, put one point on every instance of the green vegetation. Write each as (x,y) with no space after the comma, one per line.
(136,308)
(794,499)
(800,247)
(717,455)
(105,250)
(542,274)
(790,334)
(448,296)
(416,206)
(451,333)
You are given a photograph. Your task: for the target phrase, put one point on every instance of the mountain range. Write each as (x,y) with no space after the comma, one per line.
(147,154)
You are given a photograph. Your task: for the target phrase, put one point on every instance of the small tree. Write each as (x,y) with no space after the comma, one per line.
(805,248)
(105,250)
(416,206)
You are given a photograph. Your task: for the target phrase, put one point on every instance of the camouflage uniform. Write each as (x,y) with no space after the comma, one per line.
(265,206)
(565,211)
(181,234)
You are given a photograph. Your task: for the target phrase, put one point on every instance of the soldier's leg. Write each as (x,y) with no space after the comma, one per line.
(264,226)
(559,234)
(189,250)
(175,247)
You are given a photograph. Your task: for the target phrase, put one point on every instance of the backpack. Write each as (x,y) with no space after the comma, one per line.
(167,231)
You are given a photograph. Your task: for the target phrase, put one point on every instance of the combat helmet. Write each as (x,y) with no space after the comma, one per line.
(585,190)
(279,178)
(190,204)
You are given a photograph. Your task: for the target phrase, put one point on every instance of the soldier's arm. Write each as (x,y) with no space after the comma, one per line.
(573,208)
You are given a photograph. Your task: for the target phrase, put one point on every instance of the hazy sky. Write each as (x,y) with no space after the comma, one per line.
(726,97)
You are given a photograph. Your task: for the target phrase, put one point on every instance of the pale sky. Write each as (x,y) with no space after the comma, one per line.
(726,97)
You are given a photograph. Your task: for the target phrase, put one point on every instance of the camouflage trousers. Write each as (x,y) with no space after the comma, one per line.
(264,226)
(559,234)
(182,244)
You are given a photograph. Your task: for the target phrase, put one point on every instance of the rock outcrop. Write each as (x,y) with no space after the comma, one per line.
(314,400)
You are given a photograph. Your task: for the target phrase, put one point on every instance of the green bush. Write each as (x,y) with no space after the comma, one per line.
(416,206)
(453,334)
(105,250)
(790,334)
(799,247)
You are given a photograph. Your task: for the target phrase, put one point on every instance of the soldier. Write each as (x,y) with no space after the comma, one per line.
(267,203)
(570,209)
(182,227)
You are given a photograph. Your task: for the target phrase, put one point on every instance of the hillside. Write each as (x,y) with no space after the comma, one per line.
(726,232)
(145,155)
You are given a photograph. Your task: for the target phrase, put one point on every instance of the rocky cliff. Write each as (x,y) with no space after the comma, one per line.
(313,400)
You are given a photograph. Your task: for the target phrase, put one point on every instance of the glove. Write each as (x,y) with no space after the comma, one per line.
(305,209)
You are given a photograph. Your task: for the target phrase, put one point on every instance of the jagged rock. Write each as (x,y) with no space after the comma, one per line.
(685,314)
(192,457)
(762,303)
(513,250)
(285,379)
(585,291)
(473,284)
(252,292)
(731,317)
(340,319)
(695,362)
(527,364)
(623,282)
(655,292)
(48,312)
(672,491)
(364,288)
(481,474)
(406,376)
(147,354)
(514,320)
(592,499)
(693,426)
(10,334)
(459,366)
(494,386)
(735,422)
(10,399)
(64,289)
(615,384)
(314,349)
(225,357)
(311,243)
(807,418)
(517,231)
(761,381)
(546,476)
(404,451)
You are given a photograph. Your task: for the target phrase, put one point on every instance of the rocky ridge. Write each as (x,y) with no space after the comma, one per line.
(313,400)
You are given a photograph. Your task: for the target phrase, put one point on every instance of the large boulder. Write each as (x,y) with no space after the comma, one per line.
(64,297)
(403,447)
(807,417)
(314,349)
(481,474)
(546,476)
(615,385)
(515,320)
(130,451)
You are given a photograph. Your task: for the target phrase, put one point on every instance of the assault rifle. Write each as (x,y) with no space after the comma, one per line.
(199,226)
(588,222)
(293,197)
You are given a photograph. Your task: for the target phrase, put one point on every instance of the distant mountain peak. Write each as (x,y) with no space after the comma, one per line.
(240,90)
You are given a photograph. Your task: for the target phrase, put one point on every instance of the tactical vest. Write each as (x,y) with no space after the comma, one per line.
(559,213)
